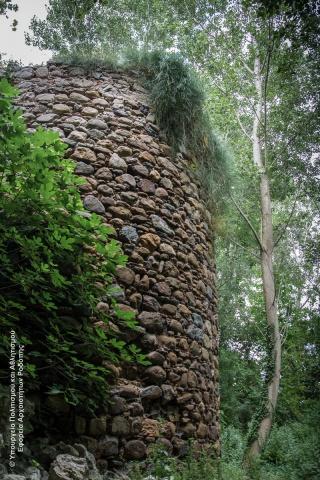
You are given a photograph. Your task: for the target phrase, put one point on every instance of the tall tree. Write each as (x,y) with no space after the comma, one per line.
(244,55)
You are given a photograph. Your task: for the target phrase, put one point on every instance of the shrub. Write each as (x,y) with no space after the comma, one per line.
(293,449)
(178,96)
(233,445)
(57,264)
(161,466)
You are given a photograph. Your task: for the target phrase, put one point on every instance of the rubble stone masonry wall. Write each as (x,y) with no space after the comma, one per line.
(155,206)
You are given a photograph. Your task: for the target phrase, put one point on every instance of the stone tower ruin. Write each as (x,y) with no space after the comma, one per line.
(152,200)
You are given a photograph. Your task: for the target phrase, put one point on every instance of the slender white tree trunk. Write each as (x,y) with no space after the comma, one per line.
(269,292)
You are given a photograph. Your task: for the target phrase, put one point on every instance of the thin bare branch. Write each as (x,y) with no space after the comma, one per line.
(244,248)
(287,222)
(242,128)
(246,218)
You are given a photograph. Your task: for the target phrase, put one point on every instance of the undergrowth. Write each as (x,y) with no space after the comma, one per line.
(291,453)
(162,466)
(177,94)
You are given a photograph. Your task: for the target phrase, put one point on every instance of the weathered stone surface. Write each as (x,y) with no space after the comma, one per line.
(108,446)
(168,393)
(84,169)
(123,151)
(161,193)
(160,224)
(128,179)
(147,186)
(195,333)
(78,97)
(197,320)
(78,136)
(84,153)
(118,405)
(189,429)
(117,162)
(165,248)
(92,204)
(152,321)
(151,393)
(89,112)
(156,374)
(42,72)
(125,275)
(129,233)
(24,73)
(150,428)
(146,156)
(120,426)
(156,358)
(76,120)
(202,431)
(45,97)
(128,391)
(176,326)
(46,118)
(150,303)
(81,82)
(136,409)
(68,467)
(166,183)
(186,397)
(98,124)
(150,241)
(98,426)
(61,108)
(100,102)
(104,174)
(163,288)
(135,450)
(140,170)
(120,212)
(192,259)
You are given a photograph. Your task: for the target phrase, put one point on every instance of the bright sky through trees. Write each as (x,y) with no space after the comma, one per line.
(13,43)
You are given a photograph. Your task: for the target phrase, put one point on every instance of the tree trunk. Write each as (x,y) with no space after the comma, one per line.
(266,252)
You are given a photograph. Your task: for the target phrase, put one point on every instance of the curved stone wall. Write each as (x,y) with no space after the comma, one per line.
(155,206)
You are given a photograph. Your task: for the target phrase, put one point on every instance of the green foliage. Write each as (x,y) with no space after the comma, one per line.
(7,6)
(178,96)
(105,25)
(293,449)
(90,63)
(57,264)
(291,454)
(241,376)
(160,465)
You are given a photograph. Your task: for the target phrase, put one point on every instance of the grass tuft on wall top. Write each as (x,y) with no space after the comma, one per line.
(178,98)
